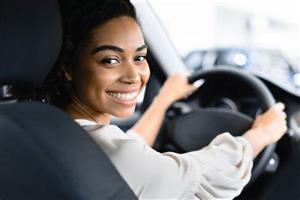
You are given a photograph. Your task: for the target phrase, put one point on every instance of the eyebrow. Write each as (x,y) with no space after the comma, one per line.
(115,48)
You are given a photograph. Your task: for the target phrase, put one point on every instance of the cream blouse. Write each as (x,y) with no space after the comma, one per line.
(217,172)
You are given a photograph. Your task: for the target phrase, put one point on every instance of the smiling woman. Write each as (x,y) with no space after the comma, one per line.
(111,71)
(102,69)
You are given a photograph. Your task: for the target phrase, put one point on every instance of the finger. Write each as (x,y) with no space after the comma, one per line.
(281,114)
(198,83)
(190,91)
(279,106)
(284,127)
(193,88)
(284,115)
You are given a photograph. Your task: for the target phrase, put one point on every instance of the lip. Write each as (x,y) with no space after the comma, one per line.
(129,90)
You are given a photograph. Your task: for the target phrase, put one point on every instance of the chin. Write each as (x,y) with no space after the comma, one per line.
(124,114)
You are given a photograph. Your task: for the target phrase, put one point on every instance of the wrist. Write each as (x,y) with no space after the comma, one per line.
(257,139)
(162,101)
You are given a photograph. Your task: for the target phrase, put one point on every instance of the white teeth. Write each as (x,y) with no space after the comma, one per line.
(123,96)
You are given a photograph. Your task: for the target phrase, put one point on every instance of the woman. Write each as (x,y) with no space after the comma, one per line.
(104,64)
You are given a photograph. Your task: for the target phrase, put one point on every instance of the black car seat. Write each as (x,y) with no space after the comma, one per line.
(43,154)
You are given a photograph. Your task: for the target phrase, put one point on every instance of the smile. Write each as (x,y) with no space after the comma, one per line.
(129,96)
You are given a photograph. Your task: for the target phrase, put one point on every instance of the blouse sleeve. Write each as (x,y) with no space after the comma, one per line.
(133,134)
(216,172)
(222,169)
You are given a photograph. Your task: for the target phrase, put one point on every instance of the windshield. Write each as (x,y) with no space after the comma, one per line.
(262,36)
(205,24)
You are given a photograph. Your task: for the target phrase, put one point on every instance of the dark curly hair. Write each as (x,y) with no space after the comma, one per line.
(80,19)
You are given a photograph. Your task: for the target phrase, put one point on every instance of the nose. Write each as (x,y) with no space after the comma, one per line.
(131,74)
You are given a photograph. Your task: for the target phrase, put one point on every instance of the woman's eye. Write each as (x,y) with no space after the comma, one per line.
(110,61)
(140,58)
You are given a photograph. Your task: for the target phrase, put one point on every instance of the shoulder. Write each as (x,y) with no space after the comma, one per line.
(92,126)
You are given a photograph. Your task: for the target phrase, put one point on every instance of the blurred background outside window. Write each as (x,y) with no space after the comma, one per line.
(260,35)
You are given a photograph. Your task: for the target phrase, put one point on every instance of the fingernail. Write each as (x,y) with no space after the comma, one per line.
(198,83)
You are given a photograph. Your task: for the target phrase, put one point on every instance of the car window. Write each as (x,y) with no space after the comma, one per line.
(206,24)
(261,36)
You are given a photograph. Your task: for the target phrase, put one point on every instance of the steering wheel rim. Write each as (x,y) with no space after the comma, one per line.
(264,96)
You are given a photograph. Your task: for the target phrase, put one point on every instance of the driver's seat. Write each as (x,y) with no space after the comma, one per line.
(43,153)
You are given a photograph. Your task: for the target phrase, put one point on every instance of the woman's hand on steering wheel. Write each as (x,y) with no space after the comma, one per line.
(267,128)
(174,88)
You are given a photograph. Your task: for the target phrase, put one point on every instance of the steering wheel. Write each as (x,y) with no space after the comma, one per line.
(195,130)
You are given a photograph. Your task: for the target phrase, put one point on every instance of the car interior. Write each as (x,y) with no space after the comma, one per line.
(46,155)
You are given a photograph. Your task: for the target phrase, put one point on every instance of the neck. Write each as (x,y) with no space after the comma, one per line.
(78,110)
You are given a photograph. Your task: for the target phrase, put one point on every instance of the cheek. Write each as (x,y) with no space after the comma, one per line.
(145,73)
(107,77)
(103,81)
(92,83)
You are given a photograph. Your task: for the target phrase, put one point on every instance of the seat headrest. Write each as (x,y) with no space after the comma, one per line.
(30,40)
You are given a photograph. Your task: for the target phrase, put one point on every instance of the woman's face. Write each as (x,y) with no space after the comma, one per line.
(112,68)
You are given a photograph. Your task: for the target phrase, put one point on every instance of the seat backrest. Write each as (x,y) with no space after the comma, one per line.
(44,154)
